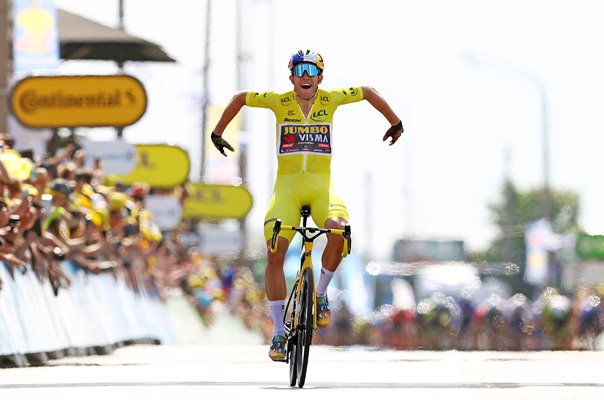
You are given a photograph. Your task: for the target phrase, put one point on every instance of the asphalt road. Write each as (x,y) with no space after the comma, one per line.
(244,371)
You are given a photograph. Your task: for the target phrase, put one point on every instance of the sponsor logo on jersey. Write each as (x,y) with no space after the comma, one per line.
(324,99)
(304,129)
(319,116)
(289,138)
(286,100)
(305,139)
(353,91)
(291,112)
(292,120)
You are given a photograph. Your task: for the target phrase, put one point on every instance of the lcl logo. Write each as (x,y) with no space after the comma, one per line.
(319,115)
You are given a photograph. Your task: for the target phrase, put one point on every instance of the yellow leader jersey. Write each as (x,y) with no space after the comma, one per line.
(304,143)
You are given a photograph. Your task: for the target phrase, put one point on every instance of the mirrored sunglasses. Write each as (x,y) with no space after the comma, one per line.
(310,69)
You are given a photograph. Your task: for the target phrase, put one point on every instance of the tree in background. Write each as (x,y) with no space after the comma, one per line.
(513,213)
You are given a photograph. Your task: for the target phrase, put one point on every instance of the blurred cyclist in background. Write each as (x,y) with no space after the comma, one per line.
(304,132)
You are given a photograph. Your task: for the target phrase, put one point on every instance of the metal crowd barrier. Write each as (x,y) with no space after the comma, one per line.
(95,315)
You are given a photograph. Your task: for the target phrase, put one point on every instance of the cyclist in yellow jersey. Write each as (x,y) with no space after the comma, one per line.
(304,131)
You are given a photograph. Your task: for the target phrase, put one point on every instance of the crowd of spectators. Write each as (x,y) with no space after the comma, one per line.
(57,209)
(224,285)
(553,321)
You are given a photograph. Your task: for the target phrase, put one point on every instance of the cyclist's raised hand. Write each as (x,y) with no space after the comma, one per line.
(221,144)
(394,132)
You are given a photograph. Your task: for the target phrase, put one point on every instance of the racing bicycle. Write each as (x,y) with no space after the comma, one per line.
(300,318)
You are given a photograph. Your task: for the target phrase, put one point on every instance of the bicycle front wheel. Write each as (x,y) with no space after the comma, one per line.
(292,355)
(305,325)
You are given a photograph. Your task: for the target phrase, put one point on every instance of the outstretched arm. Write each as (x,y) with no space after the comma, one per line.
(380,104)
(230,111)
(234,106)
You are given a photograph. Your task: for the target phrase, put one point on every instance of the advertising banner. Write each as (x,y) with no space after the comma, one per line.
(217,201)
(539,240)
(166,211)
(159,165)
(35,36)
(590,246)
(116,156)
(78,101)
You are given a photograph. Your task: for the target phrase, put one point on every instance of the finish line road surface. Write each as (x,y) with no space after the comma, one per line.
(146,372)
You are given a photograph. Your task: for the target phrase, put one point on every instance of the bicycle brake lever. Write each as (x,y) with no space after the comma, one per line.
(348,237)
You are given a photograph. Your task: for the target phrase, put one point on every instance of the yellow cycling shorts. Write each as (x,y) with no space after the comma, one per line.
(296,190)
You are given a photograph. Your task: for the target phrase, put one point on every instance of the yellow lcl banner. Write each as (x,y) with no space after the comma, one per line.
(79,100)
(159,165)
(216,201)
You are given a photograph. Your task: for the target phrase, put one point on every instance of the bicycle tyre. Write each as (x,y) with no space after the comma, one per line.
(292,359)
(305,325)
(290,315)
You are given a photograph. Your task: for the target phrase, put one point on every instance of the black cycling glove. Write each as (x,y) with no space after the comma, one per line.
(220,143)
(394,132)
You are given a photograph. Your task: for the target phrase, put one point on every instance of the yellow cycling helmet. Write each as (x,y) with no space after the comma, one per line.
(117,201)
(18,168)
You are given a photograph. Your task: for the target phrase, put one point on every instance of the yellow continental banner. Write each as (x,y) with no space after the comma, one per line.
(79,100)
(159,165)
(217,201)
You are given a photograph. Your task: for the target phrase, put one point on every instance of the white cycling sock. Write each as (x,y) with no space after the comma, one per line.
(277,309)
(324,280)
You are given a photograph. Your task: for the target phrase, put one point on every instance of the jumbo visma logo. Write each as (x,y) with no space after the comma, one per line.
(306,129)
(305,138)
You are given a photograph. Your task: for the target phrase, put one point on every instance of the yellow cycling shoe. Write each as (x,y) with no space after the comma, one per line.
(277,352)
(323,312)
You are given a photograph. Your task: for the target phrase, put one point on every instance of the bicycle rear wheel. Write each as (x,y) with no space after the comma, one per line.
(305,325)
